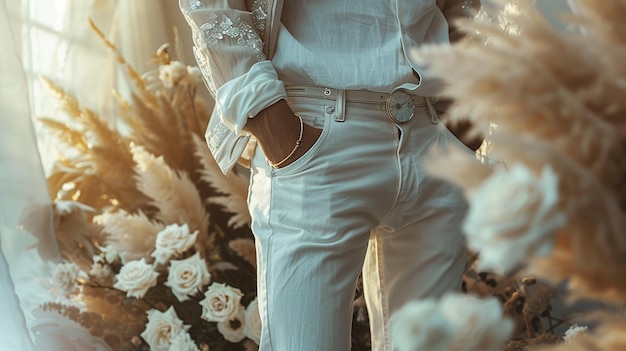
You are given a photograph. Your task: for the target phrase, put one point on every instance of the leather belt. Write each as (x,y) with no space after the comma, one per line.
(360,96)
(370,99)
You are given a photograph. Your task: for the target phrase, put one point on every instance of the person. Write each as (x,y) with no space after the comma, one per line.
(341,117)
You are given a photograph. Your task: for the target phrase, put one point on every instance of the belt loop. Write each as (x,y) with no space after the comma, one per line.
(340,114)
(432,113)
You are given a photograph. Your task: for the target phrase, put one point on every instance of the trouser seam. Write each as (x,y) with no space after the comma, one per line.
(267,345)
(383,298)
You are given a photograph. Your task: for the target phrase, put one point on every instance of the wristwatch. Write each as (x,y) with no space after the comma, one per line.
(400,106)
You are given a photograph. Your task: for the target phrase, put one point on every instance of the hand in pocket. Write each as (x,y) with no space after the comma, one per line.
(277,128)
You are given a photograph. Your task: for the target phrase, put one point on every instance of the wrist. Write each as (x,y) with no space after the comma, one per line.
(272,122)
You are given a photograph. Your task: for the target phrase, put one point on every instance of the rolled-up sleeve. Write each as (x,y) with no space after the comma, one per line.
(245,96)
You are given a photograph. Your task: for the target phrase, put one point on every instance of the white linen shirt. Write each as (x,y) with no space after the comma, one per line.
(343,44)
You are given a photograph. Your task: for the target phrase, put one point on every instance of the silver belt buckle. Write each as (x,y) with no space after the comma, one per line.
(400,106)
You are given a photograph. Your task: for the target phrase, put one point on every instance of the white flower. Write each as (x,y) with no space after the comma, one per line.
(420,325)
(173,73)
(183,342)
(66,277)
(478,323)
(233,328)
(456,322)
(252,325)
(100,269)
(193,77)
(574,331)
(162,328)
(173,240)
(109,253)
(513,215)
(136,277)
(221,302)
(187,277)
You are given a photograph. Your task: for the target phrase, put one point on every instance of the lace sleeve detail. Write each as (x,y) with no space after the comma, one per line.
(227,41)
(259,15)
(216,28)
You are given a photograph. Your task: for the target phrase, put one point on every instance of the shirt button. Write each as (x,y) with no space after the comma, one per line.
(330,110)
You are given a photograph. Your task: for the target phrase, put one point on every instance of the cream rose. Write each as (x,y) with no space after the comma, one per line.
(162,328)
(456,322)
(136,277)
(573,332)
(252,325)
(477,324)
(233,328)
(183,342)
(420,325)
(221,302)
(109,253)
(66,277)
(187,277)
(193,77)
(100,269)
(172,73)
(512,216)
(173,240)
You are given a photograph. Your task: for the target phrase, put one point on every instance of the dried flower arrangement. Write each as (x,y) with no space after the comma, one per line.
(555,203)
(157,249)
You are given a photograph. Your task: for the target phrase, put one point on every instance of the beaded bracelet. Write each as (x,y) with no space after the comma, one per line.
(298,143)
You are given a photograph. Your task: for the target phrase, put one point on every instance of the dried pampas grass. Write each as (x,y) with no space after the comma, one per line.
(556,99)
(172,192)
(98,159)
(234,187)
(540,82)
(132,235)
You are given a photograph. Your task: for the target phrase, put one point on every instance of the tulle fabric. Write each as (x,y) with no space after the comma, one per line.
(53,39)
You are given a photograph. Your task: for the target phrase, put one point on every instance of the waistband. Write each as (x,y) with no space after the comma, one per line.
(367,99)
(358,96)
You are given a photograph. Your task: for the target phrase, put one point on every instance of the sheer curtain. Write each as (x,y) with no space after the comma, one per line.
(52,39)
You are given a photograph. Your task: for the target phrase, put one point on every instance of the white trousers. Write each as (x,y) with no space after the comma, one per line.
(358,200)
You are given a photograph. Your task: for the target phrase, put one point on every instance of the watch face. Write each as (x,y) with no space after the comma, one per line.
(400,106)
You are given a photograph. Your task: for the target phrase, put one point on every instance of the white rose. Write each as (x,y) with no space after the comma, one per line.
(512,216)
(575,331)
(194,76)
(420,325)
(171,74)
(100,270)
(183,342)
(252,326)
(136,277)
(233,328)
(457,322)
(477,324)
(187,277)
(109,253)
(173,240)
(66,277)
(220,303)
(162,328)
